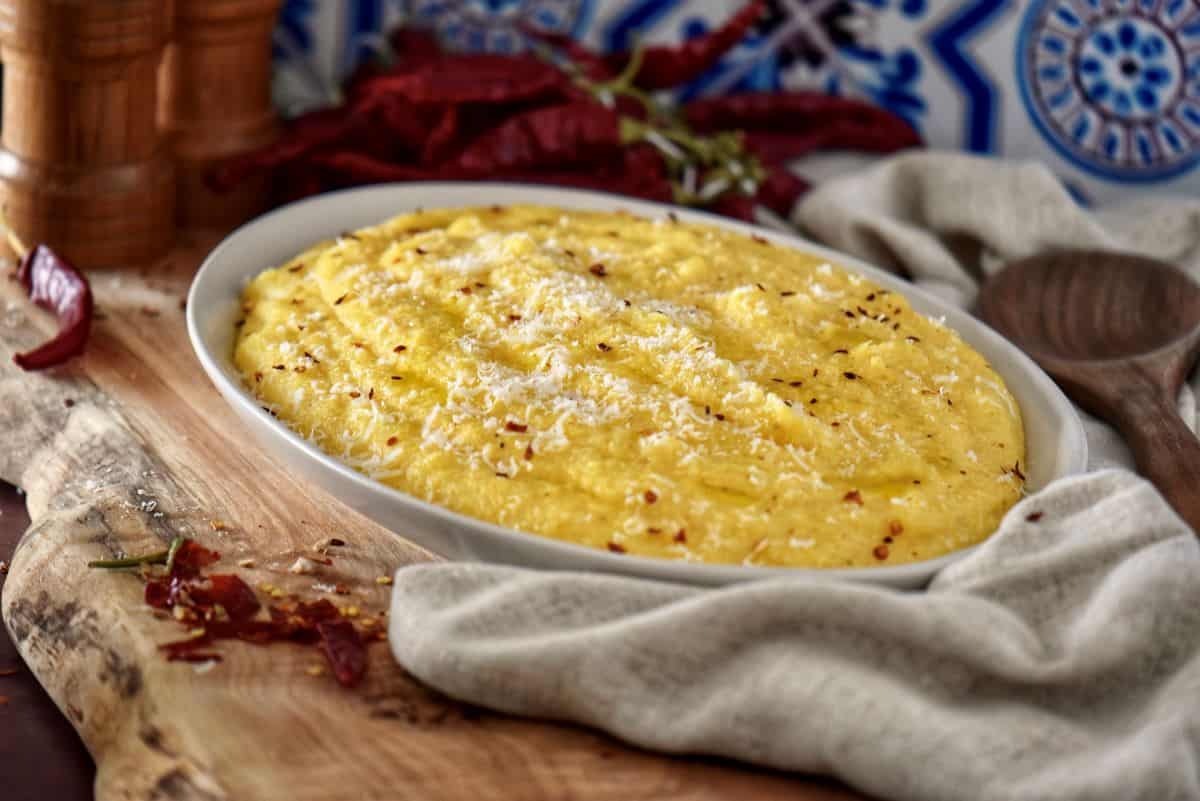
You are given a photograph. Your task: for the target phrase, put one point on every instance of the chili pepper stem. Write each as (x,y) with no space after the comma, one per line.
(157,558)
(166,557)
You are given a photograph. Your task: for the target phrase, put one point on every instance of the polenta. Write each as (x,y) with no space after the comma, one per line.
(646,386)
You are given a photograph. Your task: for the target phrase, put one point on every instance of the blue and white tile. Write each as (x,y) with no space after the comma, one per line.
(1105,91)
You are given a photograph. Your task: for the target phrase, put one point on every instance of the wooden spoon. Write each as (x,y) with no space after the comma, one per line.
(1119,333)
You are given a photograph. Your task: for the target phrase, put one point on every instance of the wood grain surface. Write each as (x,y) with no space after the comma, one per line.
(41,756)
(131,446)
(1120,333)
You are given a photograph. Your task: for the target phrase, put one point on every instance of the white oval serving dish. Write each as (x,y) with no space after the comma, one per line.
(1055,439)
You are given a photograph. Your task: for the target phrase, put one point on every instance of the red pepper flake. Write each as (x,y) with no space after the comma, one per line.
(278,367)
(835,424)
(514,317)
(871,296)
(787,293)
(881,552)
(371,394)
(616,547)
(761,288)
(528,453)
(650,495)
(911,339)
(339,301)
(719,416)
(397,378)
(68,403)
(519,428)
(466,290)
(312,358)
(707,409)
(399,349)
(358,344)
(53,283)
(853,496)
(842,350)
(812,401)
(392,441)
(604,347)
(796,383)
(653,530)
(356,394)
(681,535)
(1033,517)
(760,239)
(778,380)
(295,268)
(500,474)
(300,368)
(850,375)
(895,528)
(816,372)
(420,251)
(916,481)
(598,270)
(1017,470)
(344,649)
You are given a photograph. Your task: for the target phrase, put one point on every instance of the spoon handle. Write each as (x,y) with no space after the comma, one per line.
(1167,452)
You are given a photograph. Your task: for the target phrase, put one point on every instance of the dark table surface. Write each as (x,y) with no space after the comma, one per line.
(41,758)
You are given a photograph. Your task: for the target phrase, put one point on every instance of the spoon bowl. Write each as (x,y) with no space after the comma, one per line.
(1119,333)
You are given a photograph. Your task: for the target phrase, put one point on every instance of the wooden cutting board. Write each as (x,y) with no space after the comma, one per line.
(131,446)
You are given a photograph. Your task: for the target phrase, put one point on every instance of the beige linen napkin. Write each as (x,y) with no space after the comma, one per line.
(1061,660)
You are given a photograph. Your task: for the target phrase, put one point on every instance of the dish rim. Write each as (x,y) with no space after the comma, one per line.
(582,556)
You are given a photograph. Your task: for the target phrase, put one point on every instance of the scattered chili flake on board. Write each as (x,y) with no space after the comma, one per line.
(68,403)
(853,496)
(1033,517)
(221,606)
(1017,470)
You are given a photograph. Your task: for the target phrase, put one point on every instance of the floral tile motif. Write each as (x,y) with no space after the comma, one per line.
(1105,91)
(1115,86)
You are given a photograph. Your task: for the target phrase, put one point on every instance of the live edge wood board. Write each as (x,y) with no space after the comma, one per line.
(130,446)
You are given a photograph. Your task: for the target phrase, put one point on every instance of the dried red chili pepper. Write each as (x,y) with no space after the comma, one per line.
(737,206)
(664,67)
(482,78)
(53,283)
(345,651)
(786,125)
(443,138)
(780,191)
(547,137)
(305,134)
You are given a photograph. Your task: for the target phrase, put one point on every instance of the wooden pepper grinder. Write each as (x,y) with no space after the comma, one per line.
(216,102)
(82,163)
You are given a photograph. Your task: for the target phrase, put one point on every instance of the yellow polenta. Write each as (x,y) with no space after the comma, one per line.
(646,386)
